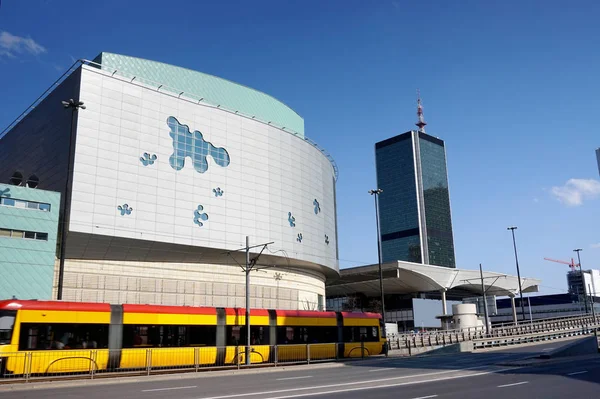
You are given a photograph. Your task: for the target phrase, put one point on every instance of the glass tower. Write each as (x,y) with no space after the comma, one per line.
(414,208)
(598,159)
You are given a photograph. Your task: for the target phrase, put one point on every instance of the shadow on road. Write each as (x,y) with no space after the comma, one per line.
(525,360)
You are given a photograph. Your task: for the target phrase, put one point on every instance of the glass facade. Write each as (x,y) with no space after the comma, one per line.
(440,241)
(399,205)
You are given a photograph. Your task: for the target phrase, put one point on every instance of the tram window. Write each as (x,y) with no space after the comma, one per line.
(7,321)
(63,336)
(306,335)
(358,334)
(202,335)
(236,335)
(168,336)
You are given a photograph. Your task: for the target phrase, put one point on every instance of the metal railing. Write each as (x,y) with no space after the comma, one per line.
(28,366)
(493,342)
(547,327)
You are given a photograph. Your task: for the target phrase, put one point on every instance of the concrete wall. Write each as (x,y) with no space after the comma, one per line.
(189,284)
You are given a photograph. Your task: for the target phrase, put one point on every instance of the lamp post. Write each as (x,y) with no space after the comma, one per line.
(375,193)
(585,294)
(512,229)
(74,106)
(278,276)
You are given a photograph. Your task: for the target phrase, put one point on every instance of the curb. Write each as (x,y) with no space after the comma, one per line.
(25,386)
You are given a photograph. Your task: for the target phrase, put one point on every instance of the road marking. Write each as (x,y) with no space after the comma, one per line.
(437,373)
(578,372)
(426,397)
(512,385)
(383,369)
(294,378)
(168,389)
(375,387)
(547,349)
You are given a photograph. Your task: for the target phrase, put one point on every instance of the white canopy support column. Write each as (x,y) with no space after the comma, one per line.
(444,311)
(514,309)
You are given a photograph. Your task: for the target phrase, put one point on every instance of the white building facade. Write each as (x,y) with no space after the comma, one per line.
(166,180)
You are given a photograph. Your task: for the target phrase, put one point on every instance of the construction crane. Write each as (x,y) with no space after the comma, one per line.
(571,264)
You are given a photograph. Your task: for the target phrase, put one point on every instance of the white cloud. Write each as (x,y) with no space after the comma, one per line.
(11,45)
(595,245)
(574,191)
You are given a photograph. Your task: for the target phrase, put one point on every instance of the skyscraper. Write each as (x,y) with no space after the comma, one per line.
(415,218)
(598,158)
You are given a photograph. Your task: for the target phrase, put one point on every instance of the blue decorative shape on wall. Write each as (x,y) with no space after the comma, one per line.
(317,206)
(291,220)
(5,193)
(218,192)
(200,216)
(326,239)
(299,238)
(193,145)
(148,159)
(125,209)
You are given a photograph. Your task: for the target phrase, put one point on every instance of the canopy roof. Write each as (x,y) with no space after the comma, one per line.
(408,278)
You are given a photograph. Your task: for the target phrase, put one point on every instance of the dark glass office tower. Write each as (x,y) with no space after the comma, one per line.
(414,207)
(598,158)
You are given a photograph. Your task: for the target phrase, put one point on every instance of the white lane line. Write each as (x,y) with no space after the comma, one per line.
(512,385)
(382,369)
(168,389)
(547,349)
(426,397)
(578,372)
(376,386)
(294,378)
(437,373)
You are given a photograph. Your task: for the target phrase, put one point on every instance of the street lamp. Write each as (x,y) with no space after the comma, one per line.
(278,276)
(74,106)
(585,294)
(375,193)
(512,229)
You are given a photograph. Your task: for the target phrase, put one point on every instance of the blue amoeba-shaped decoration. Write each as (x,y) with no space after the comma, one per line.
(291,220)
(317,206)
(299,238)
(326,239)
(200,216)
(125,209)
(5,193)
(148,159)
(193,145)
(218,192)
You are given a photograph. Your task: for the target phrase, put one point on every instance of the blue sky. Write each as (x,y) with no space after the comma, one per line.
(512,87)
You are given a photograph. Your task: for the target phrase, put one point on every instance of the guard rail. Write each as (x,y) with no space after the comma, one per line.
(437,338)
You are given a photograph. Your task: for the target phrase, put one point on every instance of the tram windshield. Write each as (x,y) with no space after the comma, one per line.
(7,321)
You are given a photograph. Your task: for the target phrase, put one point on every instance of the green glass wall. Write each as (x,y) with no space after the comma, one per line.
(28,231)
(438,220)
(398,207)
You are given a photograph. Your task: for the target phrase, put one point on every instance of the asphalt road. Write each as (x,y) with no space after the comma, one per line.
(464,376)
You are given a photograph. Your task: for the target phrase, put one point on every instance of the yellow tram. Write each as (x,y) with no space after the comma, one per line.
(45,337)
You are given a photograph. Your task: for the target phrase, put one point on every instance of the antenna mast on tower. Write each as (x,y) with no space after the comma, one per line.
(421,123)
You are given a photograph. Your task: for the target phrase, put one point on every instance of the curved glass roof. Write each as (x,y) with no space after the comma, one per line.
(207,88)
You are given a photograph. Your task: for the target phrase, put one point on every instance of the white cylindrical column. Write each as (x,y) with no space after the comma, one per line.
(443,291)
(514,309)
